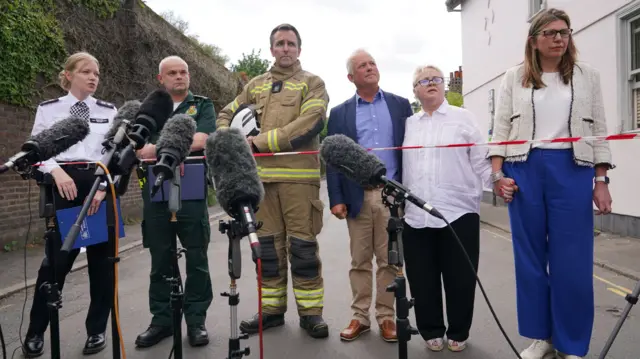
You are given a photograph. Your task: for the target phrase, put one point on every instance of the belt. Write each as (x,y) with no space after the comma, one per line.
(80,166)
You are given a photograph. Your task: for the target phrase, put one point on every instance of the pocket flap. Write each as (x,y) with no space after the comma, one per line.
(318,204)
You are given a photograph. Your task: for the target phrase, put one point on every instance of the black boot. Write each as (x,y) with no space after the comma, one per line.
(95,344)
(153,335)
(251,326)
(197,335)
(315,326)
(33,345)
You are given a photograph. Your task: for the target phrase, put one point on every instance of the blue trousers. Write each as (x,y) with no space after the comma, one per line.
(552,225)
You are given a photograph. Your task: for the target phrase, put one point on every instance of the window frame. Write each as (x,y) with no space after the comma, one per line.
(534,9)
(627,104)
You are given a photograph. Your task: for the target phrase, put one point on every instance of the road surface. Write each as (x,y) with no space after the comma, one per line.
(486,341)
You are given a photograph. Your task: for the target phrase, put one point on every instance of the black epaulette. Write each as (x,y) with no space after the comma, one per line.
(53,100)
(199,98)
(105,104)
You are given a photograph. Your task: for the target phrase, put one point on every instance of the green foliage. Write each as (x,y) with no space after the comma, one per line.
(182,25)
(323,133)
(252,65)
(32,43)
(415,106)
(211,197)
(104,9)
(455,99)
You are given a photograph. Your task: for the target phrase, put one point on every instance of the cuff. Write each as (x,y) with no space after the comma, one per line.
(272,142)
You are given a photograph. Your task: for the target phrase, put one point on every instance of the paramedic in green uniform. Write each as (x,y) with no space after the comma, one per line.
(193,222)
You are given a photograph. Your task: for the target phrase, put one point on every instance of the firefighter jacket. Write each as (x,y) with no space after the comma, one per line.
(291,105)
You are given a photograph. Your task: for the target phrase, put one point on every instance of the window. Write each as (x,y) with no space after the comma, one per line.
(628,35)
(535,6)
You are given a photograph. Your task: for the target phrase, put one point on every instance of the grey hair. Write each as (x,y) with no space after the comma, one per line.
(353,55)
(423,68)
(169,58)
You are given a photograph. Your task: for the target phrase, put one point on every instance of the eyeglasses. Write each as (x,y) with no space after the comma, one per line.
(427,82)
(551,34)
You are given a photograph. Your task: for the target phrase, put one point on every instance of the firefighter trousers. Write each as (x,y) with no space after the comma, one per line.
(291,216)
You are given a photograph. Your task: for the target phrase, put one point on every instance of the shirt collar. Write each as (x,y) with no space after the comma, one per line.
(72,99)
(379,95)
(441,110)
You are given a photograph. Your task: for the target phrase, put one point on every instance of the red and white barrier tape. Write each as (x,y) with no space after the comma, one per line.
(618,137)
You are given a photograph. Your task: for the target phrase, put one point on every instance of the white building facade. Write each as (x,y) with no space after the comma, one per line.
(607,36)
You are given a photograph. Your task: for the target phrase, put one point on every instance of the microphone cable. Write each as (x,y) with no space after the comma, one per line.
(116,302)
(260,327)
(4,345)
(484,294)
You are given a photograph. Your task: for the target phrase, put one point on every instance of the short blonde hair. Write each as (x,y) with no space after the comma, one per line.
(420,69)
(71,64)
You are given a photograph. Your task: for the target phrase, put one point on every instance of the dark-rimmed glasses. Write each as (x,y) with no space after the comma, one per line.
(426,82)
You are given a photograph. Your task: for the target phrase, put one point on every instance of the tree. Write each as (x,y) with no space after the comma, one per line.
(455,99)
(415,106)
(183,26)
(251,65)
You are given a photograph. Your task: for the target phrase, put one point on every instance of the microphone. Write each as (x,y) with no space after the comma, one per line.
(48,143)
(126,113)
(235,177)
(172,147)
(364,168)
(154,111)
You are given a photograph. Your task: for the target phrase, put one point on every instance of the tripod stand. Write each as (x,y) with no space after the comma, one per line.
(235,232)
(396,258)
(175,281)
(631,299)
(52,250)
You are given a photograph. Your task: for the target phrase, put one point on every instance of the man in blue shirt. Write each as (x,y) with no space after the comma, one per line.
(373,118)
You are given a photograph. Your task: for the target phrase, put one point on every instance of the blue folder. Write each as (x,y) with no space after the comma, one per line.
(93,229)
(193,185)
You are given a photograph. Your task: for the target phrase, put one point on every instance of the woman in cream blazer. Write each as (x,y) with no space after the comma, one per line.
(549,96)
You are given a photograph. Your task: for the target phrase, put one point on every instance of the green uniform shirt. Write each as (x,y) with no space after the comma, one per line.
(201,109)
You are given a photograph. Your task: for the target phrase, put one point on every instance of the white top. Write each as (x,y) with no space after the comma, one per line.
(552,105)
(449,179)
(176,104)
(101,116)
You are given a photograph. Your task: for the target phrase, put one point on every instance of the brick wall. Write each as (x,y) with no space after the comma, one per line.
(14,191)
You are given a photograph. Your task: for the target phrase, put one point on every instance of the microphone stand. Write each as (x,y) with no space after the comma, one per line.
(393,200)
(119,159)
(52,250)
(235,231)
(175,281)
(631,299)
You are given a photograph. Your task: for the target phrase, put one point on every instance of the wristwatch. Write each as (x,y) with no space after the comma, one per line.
(604,179)
(102,186)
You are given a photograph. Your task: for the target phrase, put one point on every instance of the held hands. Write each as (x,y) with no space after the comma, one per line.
(66,186)
(602,198)
(340,211)
(505,188)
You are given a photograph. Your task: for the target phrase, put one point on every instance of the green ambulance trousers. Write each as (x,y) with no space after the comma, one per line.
(291,214)
(194,232)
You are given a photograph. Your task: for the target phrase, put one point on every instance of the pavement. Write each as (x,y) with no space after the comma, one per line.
(495,271)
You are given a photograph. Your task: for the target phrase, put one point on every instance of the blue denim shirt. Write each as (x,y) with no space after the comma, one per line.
(374,129)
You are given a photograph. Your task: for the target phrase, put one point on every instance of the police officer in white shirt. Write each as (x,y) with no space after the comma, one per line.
(73,183)
(451,180)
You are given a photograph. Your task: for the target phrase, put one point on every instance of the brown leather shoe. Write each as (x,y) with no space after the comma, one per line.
(354,330)
(388,331)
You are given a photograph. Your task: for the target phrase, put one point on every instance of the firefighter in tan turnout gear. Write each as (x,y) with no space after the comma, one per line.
(291,106)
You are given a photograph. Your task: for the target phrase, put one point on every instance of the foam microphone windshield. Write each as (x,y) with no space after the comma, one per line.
(352,160)
(49,143)
(173,147)
(234,171)
(155,110)
(127,112)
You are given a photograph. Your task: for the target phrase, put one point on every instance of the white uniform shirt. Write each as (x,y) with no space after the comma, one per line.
(449,179)
(101,116)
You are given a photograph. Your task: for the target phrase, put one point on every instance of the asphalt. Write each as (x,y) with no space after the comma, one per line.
(486,341)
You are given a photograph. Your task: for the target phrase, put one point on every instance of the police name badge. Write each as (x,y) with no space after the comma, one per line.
(192,110)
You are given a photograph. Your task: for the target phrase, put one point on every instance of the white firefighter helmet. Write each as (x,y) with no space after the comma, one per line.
(246,119)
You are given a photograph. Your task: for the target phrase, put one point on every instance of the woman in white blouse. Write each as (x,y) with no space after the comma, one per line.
(551,96)
(451,180)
